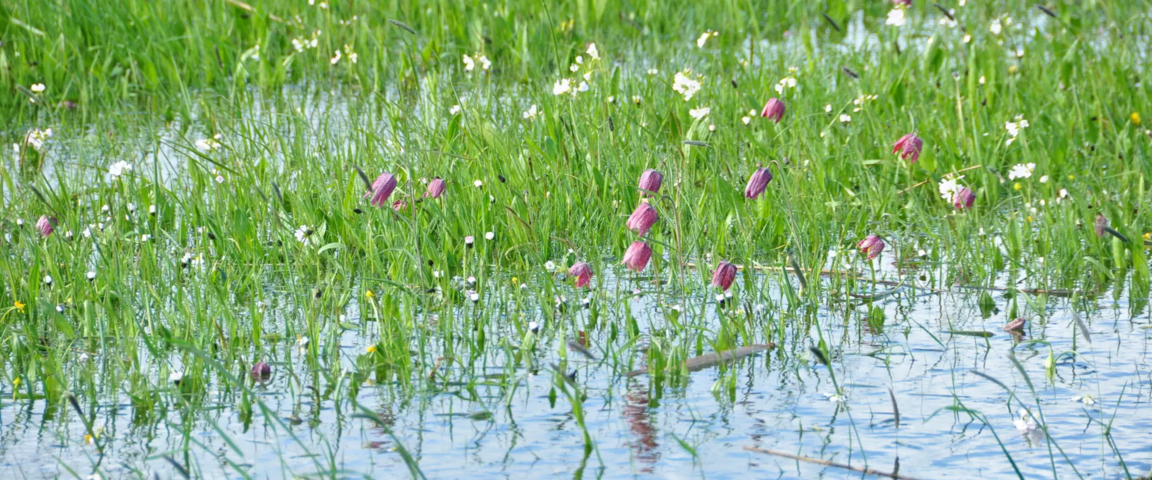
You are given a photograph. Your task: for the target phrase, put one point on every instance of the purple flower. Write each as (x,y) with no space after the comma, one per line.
(46,225)
(582,273)
(650,181)
(872,245)
(723,276)
(637,255)
(642,219)
(1014,325)
(757,183)
(261,372)
(381,189)
(435,188)
(773,110)
(963,199)
(1101,224)
(908,147)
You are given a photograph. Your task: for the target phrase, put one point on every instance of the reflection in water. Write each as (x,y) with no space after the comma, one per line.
(636,414)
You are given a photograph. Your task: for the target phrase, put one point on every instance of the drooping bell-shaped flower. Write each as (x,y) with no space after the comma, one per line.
(963,198)
(872,245)
(435,188)
(757,183)
(261,372)
(650,181)
(723,276)
(1102,226)
(773,110)
(46,225)
(381,189)
(1015,325)
(642,219)
(637,255)
(582,272)
(908,147)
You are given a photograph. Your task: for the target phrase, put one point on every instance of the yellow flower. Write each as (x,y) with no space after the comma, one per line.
(16,382)
(372,349)
(18,306)
(1148,236)
(369,294)
(1017,186)
(1071,177)
(87,439)
(1029,218)
(1135,117)
(515,280)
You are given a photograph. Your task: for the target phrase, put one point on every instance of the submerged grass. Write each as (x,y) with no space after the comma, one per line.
(206,167)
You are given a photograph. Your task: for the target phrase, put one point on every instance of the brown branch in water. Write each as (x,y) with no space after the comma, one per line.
(827,463)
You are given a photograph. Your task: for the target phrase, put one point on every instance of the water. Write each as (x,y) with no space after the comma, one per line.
(781,402)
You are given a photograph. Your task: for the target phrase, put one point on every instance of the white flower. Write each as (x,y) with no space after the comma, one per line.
(533,326)
(38,88)
(996,27)
(484,63)
(531,113)
(895,17)
(302,341)
(473,296)
(489,235)
(949,187)
(562,86)
(704,38)
(303,234)
(454,109)
(574,68)
(47,279)
(152,209)
(469,240)
(1025,423)
(982,79)
(469,64)
(207,144)
(1063,192)
(549,266)
(36,138)
(636,99)
(478,184)
(90,275)
(746,119)
(786,82)
(219,179)
(583,86)
(119,168)
(828,108)
(845,118)
(685,85)
(967,38)
(335,58)
(653,71)
(1044,179)
(593,52)
(145,237)
(699,113)
(176,376)
(1021,170)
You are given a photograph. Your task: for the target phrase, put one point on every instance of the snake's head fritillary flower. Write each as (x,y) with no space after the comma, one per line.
(381,189)
(435,188)
(872,245)
(637,255)
(963,199)
(399,205)
(723,276)
(650,181)
(1015,325)
(773,110)
(642,219)
(46,225)
(261,372)
(582,272)
(757,183)
(909,147)
(1101,224)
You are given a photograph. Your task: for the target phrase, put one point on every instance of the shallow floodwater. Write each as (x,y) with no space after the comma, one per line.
(639,429)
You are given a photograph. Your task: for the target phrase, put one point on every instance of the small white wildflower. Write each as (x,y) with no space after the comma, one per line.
(996,27)
(592,52)
(303,235)
(828,108)
(38,88)
(845,118)
(699,113)
(47,279)
(704,38)
(1021,170)
(746,119)
(532,112)
(469,64)
(469,240)
(336,58)
(91,275)
(562,87)
(454,110)
(176,376)
(967,38)
(1044,179)
(895,17)
(583,87)
(533,327)
(490,235)
(685,85)
(478,184)
(549,266)
(119,168)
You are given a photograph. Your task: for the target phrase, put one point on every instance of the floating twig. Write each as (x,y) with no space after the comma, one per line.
(827,463)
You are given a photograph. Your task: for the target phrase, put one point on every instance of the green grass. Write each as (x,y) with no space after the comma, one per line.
(143,81)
